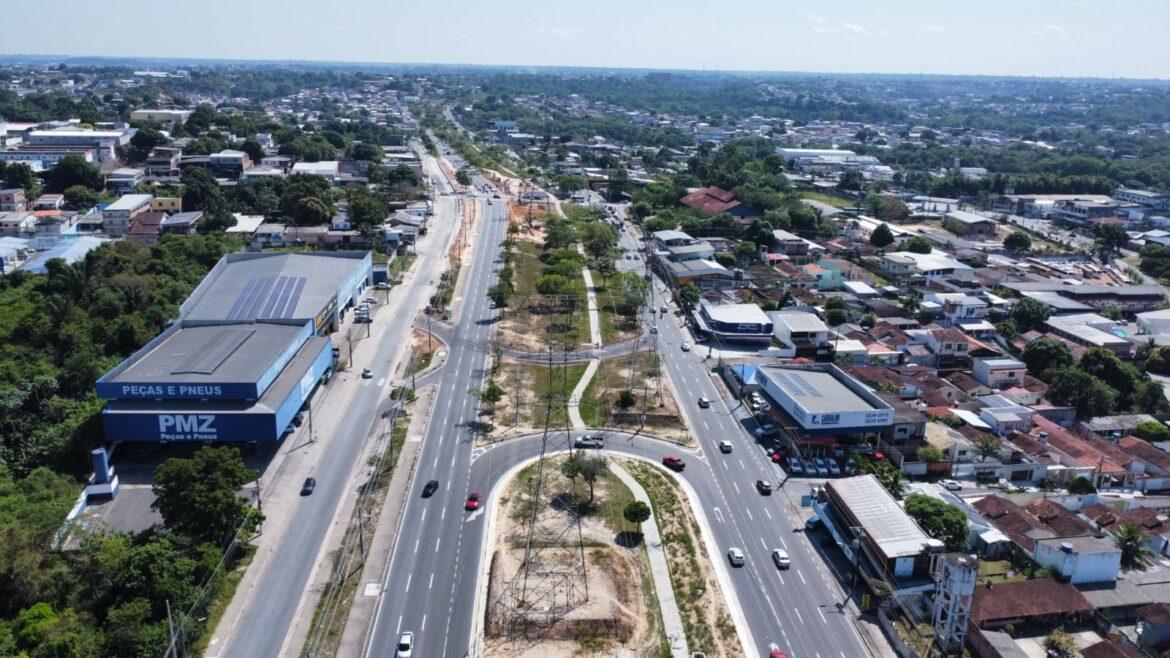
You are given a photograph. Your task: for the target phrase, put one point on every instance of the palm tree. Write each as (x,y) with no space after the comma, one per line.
(987,447)
(1134,552)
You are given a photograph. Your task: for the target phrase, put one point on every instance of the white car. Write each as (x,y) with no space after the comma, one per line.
(405,647)
(725,446)
(686,347)
(735,557)
(780,557)
(951,485)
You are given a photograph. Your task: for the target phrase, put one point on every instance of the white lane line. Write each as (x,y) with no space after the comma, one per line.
(398,628)
(409,576)
(749,513)
(736,485)
(442,513)
(423,626)
(767,514)
(802,578)
(424,516)
(781,577)
(431,584)
(822,614)
(416,545)
(763,544)
(801,619)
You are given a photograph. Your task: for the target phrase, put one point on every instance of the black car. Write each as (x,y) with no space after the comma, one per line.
(764,487)
(308,486)
(430,488)
(298,419)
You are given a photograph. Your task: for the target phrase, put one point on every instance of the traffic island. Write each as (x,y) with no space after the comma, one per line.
(608,609)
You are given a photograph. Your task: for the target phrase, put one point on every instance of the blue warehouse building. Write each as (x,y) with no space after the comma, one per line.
(246,353)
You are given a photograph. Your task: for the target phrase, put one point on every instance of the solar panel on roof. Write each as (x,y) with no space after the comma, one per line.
(295,299)
(273,296)
(238,307)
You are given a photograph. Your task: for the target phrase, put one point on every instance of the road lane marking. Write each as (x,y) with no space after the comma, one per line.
(749,513)
(423,626)
(381,382)
(767,513)
(409,576)
(424,516)
(802,578)
(763,544)
(416,544)
(794,609)
(718,514)
(736,485)
(822,614)
(431,584)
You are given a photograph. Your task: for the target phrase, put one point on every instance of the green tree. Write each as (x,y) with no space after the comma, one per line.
(690,293)
(1080,486)
(851,179)
(144,141)
(72,170)
(200,496)
(1029,315)
(463,177)
(1122,377)
(80,197)
(1153,431)
(1135,554)
(1061,644)
(987,447)
(619,184)
(592,468)
(888,475)
(636,513)
(938,519)
(311,211)
(882,236)
(1018,242)
(1045,354)
(835,317)
(1111,236)
(917,245)
(253,148)
(1077,388)
(366,152)
(366,211)
(930,453)
(20,175)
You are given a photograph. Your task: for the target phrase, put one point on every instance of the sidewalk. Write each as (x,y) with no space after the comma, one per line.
(671,619)
(381,549)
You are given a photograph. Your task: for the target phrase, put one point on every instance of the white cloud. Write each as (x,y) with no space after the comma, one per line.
(1055,29)
(936,29)
(855,29)
(1049,30)
(816,18)
(560,32)
(823,29)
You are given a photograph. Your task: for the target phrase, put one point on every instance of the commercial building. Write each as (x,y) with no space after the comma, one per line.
(160,115)
(739,323)
(246,353)
(861,508)
(103,143)
(962,222)
(803,331)
(117,217)
(1128,298)
(1090,330)
(822,400)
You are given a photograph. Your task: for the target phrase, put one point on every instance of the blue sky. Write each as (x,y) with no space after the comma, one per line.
(1001,37)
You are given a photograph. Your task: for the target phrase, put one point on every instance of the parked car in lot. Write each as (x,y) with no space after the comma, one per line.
(308,487)
(473,500)
(725,446)
(822,467)
(810,467)
(780,557)
(951,485)
(589,441)
(764,487)
(674,463)
(794,466)
(735,557)
(834,468)
(704,402)
(430,488)
(765,429)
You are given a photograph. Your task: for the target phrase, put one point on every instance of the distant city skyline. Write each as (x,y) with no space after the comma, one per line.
(1064,38)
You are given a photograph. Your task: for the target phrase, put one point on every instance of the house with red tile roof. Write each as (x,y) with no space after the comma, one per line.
(1039,601)
(712,200)
(1155,526)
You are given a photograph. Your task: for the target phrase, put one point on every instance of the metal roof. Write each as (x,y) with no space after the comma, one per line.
(883,520)
(815,391)
(212,354)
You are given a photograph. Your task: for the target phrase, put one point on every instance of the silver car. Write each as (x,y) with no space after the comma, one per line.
(735,557)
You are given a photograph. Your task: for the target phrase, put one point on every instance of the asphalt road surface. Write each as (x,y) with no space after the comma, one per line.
(431,583)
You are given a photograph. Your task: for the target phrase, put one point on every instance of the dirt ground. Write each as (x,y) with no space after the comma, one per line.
(702,605)
(652,394)
(427,352)
(619,615)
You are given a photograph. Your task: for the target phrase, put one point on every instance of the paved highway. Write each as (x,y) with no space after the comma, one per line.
(269,611)
(431,583)
(797,609)
(437,540)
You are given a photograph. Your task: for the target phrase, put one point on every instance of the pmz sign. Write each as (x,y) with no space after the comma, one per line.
(187,427)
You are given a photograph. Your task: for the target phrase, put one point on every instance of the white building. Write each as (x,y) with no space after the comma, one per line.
(798,328)
(329,169)
(1080,560)
(999,372)
(959,307)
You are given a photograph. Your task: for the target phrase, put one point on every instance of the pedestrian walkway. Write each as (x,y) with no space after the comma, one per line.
(574,405)
(671,619)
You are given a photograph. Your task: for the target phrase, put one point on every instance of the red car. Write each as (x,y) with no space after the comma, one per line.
(674,463)
(776,458)
(775,652)
(473,500)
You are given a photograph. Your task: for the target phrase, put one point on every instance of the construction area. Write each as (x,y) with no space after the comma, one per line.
(586,587)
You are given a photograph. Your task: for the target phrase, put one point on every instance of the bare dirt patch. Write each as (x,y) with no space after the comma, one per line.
(619,617)
(632,392)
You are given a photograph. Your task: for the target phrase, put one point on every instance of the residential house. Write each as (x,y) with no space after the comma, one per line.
(999,373)
(117,216)
(183,223)
(21,224)
(710,201)
(1155,526)
(1039,602)
(958,307)
(13,200)
(803,331)
(124,180)
(147,226)
(163,162)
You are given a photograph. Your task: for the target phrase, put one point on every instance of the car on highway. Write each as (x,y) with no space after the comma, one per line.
(764,487)
(735,557)
(951,485)
(794,466)
(812,523)
(308,487)
(495,196)
(776,652)
(473,500)
(430,488)
(654,329)
(725,446)
(589,441)
(704,402)
(663,310)
(367,373)
(405,646)
(822,467)
(686,347)
(780,557)
(674,463)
